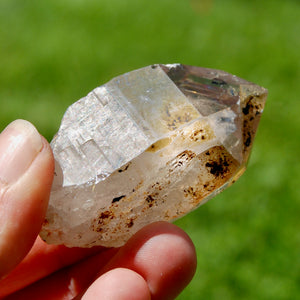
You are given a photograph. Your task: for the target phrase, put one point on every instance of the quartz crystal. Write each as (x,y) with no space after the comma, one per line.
(149,145)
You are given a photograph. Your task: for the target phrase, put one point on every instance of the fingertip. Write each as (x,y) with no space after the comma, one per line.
(119,284)
(169,260)
(20,143)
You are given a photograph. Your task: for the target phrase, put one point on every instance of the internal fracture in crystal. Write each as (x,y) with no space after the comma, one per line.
(149,145)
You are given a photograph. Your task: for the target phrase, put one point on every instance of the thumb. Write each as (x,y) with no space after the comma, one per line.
(26,174)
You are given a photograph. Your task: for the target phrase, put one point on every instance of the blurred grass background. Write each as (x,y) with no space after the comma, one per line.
(54,52)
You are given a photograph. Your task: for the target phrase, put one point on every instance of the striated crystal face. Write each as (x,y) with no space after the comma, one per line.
(149,145)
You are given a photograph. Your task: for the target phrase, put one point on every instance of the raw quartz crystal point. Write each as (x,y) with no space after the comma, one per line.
(149,145)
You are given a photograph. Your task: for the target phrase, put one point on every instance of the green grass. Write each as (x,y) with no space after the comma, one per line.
(54,52)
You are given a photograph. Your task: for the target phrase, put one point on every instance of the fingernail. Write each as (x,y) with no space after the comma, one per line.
(20,143)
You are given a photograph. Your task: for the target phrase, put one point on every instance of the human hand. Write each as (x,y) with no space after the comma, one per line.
(157,262)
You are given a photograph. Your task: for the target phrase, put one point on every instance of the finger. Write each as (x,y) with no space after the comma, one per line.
(119,284)
(26,174)
(163,255)
(41,261)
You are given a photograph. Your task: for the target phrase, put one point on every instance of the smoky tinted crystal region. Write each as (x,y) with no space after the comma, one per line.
(149,145)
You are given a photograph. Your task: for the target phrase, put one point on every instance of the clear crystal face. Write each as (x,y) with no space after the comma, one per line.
(152,144)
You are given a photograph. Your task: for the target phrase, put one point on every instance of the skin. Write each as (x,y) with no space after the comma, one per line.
(156,263)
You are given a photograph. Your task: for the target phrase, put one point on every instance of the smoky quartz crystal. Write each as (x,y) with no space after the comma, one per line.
(152,144)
